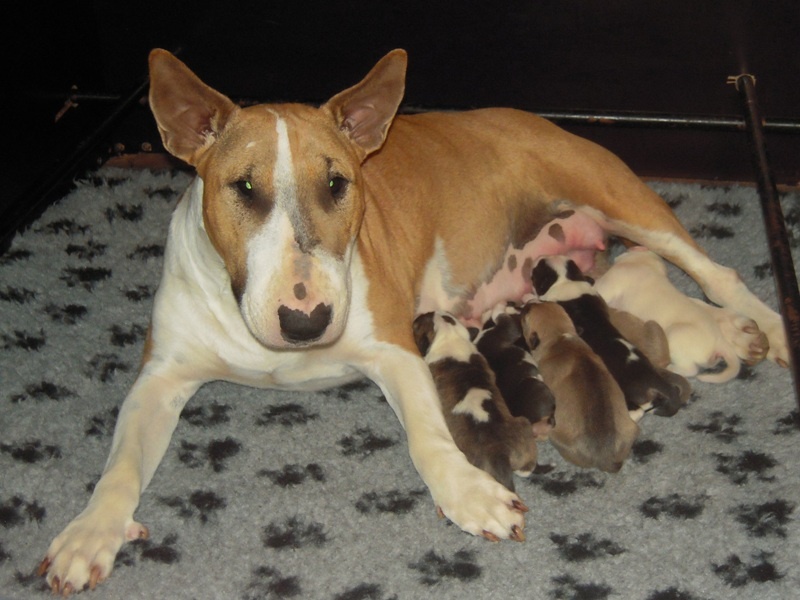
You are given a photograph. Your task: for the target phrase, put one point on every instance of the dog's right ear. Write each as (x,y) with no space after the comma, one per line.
(366,110)
(189,114)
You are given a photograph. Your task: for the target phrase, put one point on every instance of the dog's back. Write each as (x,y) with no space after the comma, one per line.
(474,409)
(592,426)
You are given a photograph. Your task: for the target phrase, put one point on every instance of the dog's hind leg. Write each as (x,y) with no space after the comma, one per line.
(83,554)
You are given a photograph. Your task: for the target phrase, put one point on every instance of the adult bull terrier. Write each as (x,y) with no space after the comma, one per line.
(311,237)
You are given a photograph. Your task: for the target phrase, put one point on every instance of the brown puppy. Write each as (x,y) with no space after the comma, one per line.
(501,342)
(593,428)
(474,409)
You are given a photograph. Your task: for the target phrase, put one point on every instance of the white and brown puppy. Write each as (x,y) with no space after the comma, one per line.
(646,387)
(476,413)
(501,342)
(638,283)
(311,238)
(592,426)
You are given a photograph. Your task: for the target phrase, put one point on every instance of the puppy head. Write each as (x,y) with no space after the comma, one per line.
(438,334)
(542,323)
(557,278)
(282,193)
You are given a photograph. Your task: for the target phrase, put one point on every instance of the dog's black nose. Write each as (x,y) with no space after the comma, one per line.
(298,326)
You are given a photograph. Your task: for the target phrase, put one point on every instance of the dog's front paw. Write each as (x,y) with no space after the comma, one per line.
(83,554)
(479,505)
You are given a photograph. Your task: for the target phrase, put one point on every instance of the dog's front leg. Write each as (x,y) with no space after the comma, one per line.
(83,554)
(466,495)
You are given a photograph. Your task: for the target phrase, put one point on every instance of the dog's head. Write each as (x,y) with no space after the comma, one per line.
(557,278)
(283,197)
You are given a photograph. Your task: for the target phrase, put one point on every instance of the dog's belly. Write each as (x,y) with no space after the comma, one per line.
(573,234)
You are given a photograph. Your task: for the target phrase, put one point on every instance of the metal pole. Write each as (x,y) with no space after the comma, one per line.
(777,238)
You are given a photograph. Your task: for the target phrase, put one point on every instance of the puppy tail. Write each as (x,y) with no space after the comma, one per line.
(731,370)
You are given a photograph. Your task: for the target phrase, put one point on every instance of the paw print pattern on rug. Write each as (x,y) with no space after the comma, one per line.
(208,415)
(562,483)
(267,582)
(294,533)
(675,506)
(215,453)
(720,425)
(749,463)
(291,475)
(567,587)
(673,593)
(17,511)
(788,425)
(201,504)
(434,568)
(105,365)
(286,415)
(736,573)
(767,519)
(364,442)
(364,591)
(645,450)
(102,424)
(30,452)
(584,546)
(397,502)
(42,392)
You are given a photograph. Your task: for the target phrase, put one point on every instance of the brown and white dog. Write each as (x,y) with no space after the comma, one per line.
(646,387)
(309,240)
(474,408)
(638,283)
(592,426)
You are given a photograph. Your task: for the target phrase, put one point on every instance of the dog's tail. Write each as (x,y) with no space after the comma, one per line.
(731,370)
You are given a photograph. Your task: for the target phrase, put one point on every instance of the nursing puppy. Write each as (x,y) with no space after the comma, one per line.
(592,425)
(474,409)
(502,344)
(637,282)
(558,279)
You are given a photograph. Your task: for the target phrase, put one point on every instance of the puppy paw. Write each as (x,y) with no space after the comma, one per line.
(83,554)
(743,335)
(479,505)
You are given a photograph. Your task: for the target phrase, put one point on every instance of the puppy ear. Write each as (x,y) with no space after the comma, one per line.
(543,277)
(473,333)
(534,341)
(423,332)
(189,114)
(365,111)
(574,272)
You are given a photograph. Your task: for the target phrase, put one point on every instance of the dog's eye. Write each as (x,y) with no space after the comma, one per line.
(245,188)
(337,186)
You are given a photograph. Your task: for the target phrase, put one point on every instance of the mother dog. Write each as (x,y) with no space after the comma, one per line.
(309,240)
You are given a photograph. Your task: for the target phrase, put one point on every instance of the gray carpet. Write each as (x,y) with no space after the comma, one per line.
(312,495)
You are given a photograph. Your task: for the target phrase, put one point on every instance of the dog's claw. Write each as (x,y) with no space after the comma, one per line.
(519,506)
(68,589)
(440,512)
(43,567)
(490,536)
(94,577)
(782,363)
(517,534)
(55,585)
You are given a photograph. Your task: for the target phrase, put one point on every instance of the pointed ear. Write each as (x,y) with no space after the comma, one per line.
(365,111)
(189,114)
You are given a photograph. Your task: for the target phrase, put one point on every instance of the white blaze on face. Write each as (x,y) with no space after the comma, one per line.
(276,263)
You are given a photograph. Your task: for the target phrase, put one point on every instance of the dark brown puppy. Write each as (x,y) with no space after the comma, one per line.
(502,343)
(558,279)
(593,428)
(474,409)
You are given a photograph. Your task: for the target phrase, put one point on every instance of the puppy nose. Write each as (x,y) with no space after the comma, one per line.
(298,326)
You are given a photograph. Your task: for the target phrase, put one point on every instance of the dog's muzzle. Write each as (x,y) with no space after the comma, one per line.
(298,327)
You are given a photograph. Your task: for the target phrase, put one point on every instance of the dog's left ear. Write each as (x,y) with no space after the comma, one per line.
(365,111)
